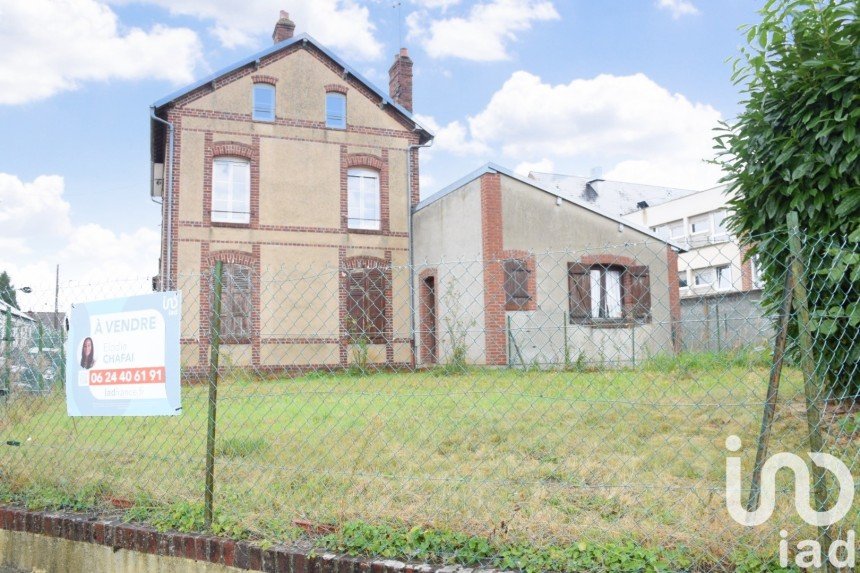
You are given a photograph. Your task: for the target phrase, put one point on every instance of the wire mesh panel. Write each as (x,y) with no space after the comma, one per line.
(548,397)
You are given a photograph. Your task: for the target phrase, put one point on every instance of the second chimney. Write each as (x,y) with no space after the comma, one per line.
(400,79)
(284,28)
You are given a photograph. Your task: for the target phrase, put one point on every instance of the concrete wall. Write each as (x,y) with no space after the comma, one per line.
(39,553)
(725,322)
(300,228)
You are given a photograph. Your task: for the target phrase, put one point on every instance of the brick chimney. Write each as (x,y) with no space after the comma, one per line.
(284,28)
(400,79)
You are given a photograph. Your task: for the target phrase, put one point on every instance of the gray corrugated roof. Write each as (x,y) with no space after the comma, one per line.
(494,168)
(616,197)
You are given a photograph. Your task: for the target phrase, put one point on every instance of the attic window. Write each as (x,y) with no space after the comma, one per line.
(264,102)
(335,110)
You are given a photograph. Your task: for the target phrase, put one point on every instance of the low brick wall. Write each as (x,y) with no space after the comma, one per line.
(201,548)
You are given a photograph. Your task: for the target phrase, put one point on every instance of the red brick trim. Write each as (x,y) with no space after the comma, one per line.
(378,163)
(365,262)
(495,332)
(674,299)
(211,150)
(746,269)
(278,243)
(529,260)
(426,351)
(337,88)
(232,149)
(118,535)
(263,79)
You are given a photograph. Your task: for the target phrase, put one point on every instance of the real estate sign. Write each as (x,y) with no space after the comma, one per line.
(123,357)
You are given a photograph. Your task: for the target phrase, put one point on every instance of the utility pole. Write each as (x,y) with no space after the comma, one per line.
(57,299)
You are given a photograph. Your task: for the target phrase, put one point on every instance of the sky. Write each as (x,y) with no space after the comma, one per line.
(633,88)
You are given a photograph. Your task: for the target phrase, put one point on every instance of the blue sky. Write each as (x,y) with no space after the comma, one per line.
(631,86)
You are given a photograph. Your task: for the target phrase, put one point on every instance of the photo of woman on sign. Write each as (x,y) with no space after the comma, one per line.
(87,354)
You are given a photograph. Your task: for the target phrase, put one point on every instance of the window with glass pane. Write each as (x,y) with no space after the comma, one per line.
(676,230)
(363,208)
(757,277)
(335,110)
(724,277)
(264,102)
(682,280)
(700,225)
(720,231)
(231,190)
(606,292)
(704,277)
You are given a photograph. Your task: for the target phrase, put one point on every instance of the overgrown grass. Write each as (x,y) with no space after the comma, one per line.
(517,458)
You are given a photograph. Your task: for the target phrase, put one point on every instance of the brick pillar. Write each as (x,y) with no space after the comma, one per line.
(495,335)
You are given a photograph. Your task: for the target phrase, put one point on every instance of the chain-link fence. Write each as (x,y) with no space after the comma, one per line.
(553,397)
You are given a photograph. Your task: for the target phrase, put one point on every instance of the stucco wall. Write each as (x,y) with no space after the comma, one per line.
(447,240)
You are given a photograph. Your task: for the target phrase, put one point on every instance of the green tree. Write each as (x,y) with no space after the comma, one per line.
(7,290)
(795,147)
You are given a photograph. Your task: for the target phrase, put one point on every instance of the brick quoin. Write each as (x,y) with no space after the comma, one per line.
(495,340)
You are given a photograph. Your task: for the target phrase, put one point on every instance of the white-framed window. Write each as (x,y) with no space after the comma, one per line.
(231,190)
(264,103)
(606,292)
(720,231)
(335,110)
(683,281)
(724,277)
(700,225)
(363,202)
(704,277)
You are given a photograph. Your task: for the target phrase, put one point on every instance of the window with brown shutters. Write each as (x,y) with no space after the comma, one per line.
(608,294)
(235,303)
(367,304)
(517,283)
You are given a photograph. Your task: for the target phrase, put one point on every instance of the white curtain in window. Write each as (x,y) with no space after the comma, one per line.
(363,209)
(595,293)
(231,190)
(613,293)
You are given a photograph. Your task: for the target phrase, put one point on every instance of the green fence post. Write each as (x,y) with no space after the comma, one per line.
(215,345)
(7,352)
(812,388)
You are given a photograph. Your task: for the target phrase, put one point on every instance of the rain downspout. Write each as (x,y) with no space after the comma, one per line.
(166,278)
(412,302)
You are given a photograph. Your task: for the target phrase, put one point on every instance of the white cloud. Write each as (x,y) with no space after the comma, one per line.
(47,47)
(483,34)
(678,8)
(543,166)
(436,4)
(452,137)
(38,234)
(343,25)
(647,133)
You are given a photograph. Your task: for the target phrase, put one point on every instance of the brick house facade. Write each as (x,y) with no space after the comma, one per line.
(284,162)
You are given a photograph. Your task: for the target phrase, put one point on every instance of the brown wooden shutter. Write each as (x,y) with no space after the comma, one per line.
(516,283)
(355,302)
(235,303)
(579,292)
(640,292)
(377,304)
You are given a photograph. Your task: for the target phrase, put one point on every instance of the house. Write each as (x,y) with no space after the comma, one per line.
(20,328)
(509,271)
(289,163)
(720,287)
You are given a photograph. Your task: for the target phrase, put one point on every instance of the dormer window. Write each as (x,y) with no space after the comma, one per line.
(335,110)
(264,102)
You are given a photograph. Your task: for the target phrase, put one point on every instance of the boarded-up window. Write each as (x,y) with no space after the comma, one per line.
(609,294)
(367,304)
(517,275)
(235,303)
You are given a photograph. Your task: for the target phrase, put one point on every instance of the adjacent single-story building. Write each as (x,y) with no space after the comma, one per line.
(508,271)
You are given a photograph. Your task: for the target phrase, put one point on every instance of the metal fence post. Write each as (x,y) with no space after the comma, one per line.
(215,344)
(7,352)
(812,388)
